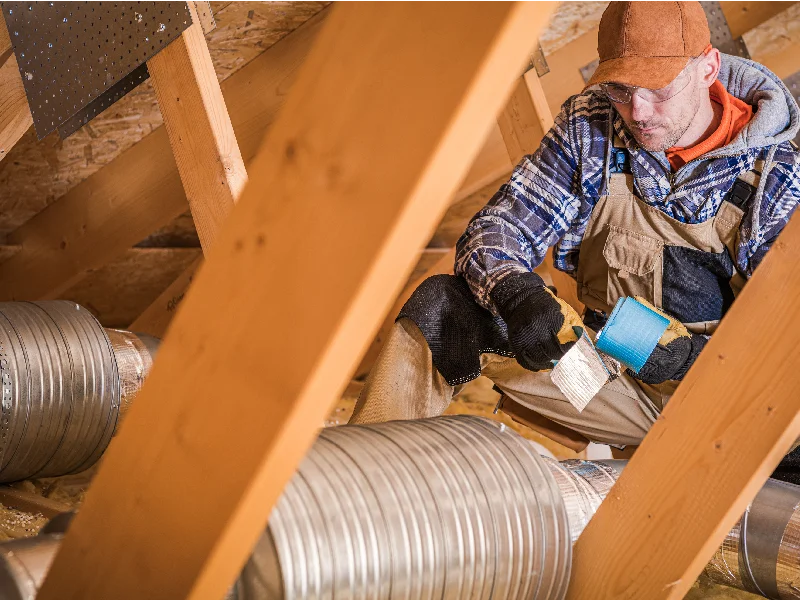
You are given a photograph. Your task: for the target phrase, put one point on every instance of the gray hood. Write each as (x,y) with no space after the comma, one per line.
(777,118)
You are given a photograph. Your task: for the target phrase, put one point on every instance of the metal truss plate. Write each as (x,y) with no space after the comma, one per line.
(539,62)
(721,37)
(72,53)
(793,83)
(139,75)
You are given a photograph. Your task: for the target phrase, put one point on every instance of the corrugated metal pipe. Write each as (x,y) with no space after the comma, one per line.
(66,383)
(452,507)
(761,554)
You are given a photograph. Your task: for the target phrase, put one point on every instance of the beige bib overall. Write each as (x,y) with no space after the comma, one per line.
(622,250)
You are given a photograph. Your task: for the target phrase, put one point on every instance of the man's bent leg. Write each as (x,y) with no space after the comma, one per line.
(621,414)
(403,383)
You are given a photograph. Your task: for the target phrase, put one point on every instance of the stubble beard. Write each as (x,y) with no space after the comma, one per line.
(662,141)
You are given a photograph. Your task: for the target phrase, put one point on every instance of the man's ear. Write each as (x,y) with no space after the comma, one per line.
(709,67)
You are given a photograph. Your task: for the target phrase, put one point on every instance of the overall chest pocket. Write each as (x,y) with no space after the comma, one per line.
(634,265)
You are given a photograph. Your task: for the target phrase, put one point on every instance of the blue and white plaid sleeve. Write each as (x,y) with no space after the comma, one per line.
(761,229)
(526,216)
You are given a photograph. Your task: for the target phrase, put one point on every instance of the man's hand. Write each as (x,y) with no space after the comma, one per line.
(539,323)
(675,353)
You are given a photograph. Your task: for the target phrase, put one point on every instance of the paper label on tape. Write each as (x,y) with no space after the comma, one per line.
(581,373)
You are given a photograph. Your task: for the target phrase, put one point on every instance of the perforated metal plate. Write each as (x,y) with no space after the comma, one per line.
(539,62)
(793,83)
(71,54)
(721,37)
(103,101)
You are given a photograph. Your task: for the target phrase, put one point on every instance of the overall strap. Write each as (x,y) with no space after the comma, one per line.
(745,186)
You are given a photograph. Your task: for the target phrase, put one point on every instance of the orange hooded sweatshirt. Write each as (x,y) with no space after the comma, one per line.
(735,115)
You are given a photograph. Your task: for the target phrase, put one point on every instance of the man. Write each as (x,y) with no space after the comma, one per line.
(669,178)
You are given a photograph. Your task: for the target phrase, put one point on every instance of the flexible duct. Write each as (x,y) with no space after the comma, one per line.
(454,507)
(760,554)
(62,386)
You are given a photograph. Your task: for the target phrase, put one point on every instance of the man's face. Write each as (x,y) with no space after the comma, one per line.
(659,125)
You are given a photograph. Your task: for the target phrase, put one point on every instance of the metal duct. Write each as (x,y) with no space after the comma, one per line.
(61,388)
(761,553)
(583,486)
(134,356)
(24,564)
(452,507)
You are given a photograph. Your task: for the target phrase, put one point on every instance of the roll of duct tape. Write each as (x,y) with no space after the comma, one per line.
(632,333)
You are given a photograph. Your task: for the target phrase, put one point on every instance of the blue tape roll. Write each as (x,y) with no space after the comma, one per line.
(632,333)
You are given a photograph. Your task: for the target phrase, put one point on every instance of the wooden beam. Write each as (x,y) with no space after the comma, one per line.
(140,190)
(783,62)
(744,16)
(523,122)
(118,292)
(491,163)
(733,418)
(200,132)
(5,43)
(329,156)
(15,115)
(156,318)
(564,78)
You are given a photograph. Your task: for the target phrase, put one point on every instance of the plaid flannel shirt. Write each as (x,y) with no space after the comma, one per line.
(551,194)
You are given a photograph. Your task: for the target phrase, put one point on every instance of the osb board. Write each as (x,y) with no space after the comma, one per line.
(776,36)
(120,291)
(37,173)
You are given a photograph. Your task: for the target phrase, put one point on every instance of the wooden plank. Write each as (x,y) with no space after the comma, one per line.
(140,191)
(15,115)
(329,156)
(157,316)
(564,78)
(491,163)
(200,132)
(744,16)
(120,291)
(783,60)
(5,43)
(733,418)
(521,124)
(31,503)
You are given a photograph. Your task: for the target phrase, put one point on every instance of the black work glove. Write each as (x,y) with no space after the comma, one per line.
(539,323)
(675,353)
(671,361)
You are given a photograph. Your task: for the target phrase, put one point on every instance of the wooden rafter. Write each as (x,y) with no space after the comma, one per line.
(329,156)
(15,115)
(156,317)
(199,128)
(732,419)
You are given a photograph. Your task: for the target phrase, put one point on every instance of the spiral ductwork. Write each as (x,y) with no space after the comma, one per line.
(62,387)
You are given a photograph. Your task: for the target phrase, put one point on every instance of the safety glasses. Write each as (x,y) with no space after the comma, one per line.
(623,94)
